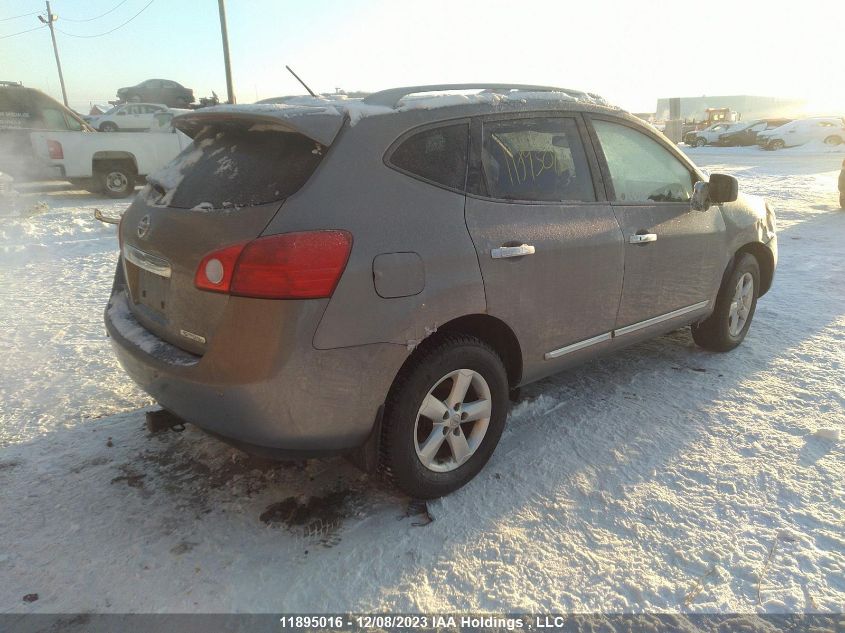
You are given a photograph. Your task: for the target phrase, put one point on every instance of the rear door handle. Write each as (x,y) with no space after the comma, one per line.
(512,251)
(643,238)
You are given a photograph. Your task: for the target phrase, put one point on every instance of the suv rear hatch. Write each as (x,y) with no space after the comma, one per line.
(221,190)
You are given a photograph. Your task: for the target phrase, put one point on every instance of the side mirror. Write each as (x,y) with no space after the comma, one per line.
(723,188)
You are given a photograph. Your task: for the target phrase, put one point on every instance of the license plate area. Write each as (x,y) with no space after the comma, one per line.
(152,291)
(148,278)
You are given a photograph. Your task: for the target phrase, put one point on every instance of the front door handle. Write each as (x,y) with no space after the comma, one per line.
(643,238)
(512,251)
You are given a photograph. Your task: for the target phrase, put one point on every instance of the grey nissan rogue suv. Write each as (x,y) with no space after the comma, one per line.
(375,276)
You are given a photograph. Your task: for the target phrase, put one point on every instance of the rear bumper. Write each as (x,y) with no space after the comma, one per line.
(261,383)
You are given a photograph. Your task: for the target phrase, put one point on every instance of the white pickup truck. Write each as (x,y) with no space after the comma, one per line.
(109,163)
(42,140)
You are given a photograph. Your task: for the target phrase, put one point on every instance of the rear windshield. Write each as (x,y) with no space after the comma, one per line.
(236,167)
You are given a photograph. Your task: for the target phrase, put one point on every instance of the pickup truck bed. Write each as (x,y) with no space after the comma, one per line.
(107,162)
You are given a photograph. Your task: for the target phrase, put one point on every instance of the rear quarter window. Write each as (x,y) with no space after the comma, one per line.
(15,108)
(438,155)
(225,168)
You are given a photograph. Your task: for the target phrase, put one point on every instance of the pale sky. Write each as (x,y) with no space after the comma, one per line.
(629,52)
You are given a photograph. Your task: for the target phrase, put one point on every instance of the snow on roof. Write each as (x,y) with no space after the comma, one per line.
(356,109)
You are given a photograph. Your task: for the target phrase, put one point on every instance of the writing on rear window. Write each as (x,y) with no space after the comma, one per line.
(236,167)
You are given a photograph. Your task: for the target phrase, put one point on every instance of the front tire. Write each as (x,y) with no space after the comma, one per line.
(776,144)
(833,139)
(444,416)
(108,126)
(699,142)
(736,302)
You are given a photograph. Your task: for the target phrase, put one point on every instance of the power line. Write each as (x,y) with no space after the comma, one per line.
(112,30)
(22,15)
(22,32)
(102,15)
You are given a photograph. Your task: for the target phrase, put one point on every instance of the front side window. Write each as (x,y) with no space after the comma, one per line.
(437,154)
(536,160)
(641,169)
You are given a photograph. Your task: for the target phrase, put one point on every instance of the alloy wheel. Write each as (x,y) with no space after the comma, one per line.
(741,304)
(452,420)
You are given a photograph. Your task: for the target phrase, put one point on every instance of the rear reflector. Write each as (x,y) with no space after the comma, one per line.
(55,151)
(304,265)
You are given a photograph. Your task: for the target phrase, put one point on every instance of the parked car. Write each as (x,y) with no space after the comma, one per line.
(376,277)
(24,111)
(130,116)
(746,134)
(163,91)
(830,130)
(710,134)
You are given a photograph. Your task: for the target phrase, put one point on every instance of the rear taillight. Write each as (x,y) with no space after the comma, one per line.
(304,265)
(54,150)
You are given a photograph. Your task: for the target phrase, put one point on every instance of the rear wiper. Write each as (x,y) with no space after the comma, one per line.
(107,219)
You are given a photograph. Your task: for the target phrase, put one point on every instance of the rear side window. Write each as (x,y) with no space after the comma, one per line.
(437,154)
(236,168)
(536,159)
(15,108)
(641,169)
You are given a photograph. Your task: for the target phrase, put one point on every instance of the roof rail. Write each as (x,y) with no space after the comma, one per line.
(11,83)
(392,96)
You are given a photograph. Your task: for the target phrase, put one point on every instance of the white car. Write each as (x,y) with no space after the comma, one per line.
(129,116)
(710,134)
(829,130)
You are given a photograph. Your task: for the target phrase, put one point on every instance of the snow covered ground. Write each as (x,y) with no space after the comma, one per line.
(663,478)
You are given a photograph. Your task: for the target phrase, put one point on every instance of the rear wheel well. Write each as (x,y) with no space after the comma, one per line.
(104,160)
(496,334)
(764,260)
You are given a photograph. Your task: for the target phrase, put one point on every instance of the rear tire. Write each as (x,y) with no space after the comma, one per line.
(435,439)
(736,302)
(108,126)
(116,180)
(833,139)
(776,144)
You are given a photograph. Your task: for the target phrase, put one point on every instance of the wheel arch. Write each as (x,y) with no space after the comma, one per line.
(765,260)
(496,333)
(114,157)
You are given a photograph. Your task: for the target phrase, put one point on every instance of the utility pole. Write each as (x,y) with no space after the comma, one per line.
(49,22)
(229,89)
